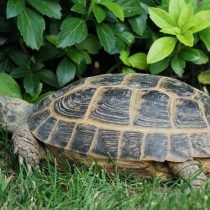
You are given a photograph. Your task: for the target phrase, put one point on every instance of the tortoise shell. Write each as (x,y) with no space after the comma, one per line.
(126,117)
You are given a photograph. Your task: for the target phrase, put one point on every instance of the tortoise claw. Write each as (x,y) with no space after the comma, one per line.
(21,160)
(29,167)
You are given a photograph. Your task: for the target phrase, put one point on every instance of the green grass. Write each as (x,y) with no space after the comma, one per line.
(88,188)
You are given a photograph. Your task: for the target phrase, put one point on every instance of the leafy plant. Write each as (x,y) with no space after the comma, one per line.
(9,86)
(182,21)
(137,60)
(46,44)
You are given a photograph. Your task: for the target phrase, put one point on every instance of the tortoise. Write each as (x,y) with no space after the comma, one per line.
(140,123)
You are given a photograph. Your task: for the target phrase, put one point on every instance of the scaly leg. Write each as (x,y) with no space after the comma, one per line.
(26,146)
(189,170)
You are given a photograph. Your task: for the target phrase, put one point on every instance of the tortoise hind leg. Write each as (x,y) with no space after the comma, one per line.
(189,170)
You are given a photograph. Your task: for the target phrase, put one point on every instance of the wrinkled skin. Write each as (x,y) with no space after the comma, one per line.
(13,112)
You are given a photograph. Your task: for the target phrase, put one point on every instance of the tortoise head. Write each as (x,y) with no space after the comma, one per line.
(13,112)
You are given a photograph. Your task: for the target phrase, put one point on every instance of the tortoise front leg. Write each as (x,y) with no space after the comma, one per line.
(189,170)
(26,146)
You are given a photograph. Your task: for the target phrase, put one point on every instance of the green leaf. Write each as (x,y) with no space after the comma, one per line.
(185,17)
(119,47)
(42,96)
(91,44)
(19,72)
(106,36)
(205,37)
(99,12)
(127,37)
(160,49)
(36,66)
(32,84)
(186,38)
(124,57)
(203,5)
(35,97)
(194,55)
(49,8)
(48,52)
(138,60)
(172,30)
(158,67)
(19,57)
(6,65)
(48,77)
(9,87)
(194,3)
(204,77)
(65,72)
(79,8)
(131,7)
(200,21)
(116,9)
(127,70)
(79,56)
(178,65)
(175,8)
(31,26)
(138,24)
(119,27)
(73,31)
(161,18)
(81,69)
(51,39)
(14,7)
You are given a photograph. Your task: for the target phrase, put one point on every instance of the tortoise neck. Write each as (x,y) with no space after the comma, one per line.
(14,112)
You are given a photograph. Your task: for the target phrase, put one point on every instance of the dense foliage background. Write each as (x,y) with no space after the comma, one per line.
(46,44)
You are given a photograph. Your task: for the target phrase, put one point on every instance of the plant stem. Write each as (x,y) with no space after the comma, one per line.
(110,70)
(89,11)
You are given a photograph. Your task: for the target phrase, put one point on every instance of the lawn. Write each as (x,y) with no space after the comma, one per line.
(88,188)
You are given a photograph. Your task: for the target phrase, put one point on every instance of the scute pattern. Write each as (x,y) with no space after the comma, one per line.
(107,80)
(201,144)
(83,138)
(131,145)
(154,110)
(68,88)
(188,115)
(107,143)
(142,81)
(180,147)
(46,128)
(37,119)
(113,106)
(132,117)
(74,105)
(43,104)
(62,133)
(156,147)
(177,87)
(206,103)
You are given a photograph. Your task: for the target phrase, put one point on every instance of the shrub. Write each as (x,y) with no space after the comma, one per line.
(45,44)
